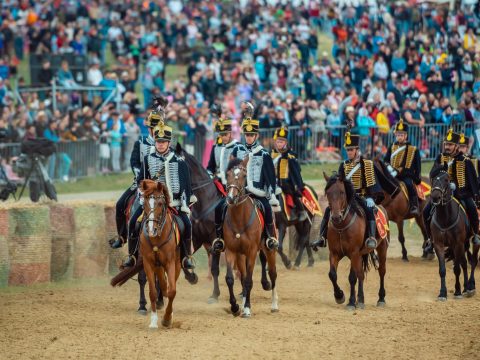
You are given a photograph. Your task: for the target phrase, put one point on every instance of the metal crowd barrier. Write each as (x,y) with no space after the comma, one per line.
(312,144)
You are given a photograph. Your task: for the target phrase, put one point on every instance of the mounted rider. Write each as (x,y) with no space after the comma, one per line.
(463,180)
(142,147)
(166,167)
(463,148)
(288,171)
(261,181)
(361,172)
(403,162)
(223,151)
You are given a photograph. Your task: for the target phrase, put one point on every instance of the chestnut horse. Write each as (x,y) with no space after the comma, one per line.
(450,236)
(346,236)
(159,252)
(242,232)
(398,210)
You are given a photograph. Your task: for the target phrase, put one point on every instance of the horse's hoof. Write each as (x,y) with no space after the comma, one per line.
(274,310)
(266,286)
(296,267)
(405,259)
(142,312)
(237,311)
(458,297)
(167,323)
(341,300)
(246,313)
(212,300)
(310,263)
(442,298)
(361,306)
(470,293)
(350,307)
(381,304)
(192,278)
(288,265)
(160,305)
(153,326)
(430,256)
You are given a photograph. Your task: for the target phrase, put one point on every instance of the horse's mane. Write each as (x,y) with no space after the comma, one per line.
(232,163)
(349,189)
(196,167)
(149,187)
(441,168)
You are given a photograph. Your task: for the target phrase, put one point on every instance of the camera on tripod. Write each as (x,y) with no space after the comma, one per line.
(31,165)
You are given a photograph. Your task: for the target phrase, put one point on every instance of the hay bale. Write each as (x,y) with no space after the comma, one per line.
(115,256)
(90,245)
(29,245)
(63,230)
(4,255)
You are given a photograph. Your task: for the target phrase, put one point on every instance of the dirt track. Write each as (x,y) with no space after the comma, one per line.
(93,321)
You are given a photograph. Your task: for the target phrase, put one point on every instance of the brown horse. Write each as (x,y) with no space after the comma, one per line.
(346,234)
(242,231)
(159,251)
(398,210)
(450,236)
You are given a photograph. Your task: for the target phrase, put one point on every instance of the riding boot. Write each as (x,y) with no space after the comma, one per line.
(218,244)
(117,243)
(371,242)
(271,242)
(322,241)
(299,208)
(132,251)
(413,198)
(187,260)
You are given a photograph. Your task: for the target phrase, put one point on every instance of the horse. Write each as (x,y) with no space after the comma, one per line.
(398,210)
(345,236)
(159,252)
(303,229)
(450,235)
(242,230)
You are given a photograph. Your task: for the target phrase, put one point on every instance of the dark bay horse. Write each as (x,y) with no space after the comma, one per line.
(242,230)
(159,253)
(398,210)
(345,236)
(303,229)
(450,235)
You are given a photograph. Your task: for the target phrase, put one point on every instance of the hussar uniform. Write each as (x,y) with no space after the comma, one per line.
(172,172)
(464,181)
(288,173)
(361,172)
(403,162)
(143,146)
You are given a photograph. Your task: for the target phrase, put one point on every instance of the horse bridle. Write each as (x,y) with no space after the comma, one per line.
(442,191)
(241,190)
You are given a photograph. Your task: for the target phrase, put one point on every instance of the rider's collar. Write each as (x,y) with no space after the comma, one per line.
(252,146)
(165,154)
(284,150)
(231,143)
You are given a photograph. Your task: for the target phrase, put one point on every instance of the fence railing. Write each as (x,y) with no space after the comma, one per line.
(312,144)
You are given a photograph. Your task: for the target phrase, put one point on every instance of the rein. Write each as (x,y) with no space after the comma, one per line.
(201,185)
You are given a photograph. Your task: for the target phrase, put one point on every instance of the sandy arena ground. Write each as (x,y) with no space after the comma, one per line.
(91,320)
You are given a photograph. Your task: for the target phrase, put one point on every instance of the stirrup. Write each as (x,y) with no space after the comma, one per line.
(321,242)
(475,239)
(371,243)
(218,245)
(128,263)
(116,243)
(271,243)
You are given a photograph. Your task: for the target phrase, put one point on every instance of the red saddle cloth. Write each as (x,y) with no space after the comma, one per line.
(382,223)
(220,187)
(308,200)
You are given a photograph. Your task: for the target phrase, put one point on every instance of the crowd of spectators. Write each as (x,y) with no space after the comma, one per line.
(389,60)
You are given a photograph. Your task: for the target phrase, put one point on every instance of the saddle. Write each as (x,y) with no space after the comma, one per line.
(260,212)
(423,190)
(381,221)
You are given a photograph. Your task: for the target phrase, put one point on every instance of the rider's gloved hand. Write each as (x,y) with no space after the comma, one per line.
(141,199)
(370,203)
(453,186)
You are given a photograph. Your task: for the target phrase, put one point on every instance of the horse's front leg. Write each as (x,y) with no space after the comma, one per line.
(215,273)
(473,264)
(150,272)
(401,239)
(248,283)
(332,274)
(282,230)
(230,280)
(263,261)
(352,279)
(142,302)
(440,251)
(272,273)
(360,275)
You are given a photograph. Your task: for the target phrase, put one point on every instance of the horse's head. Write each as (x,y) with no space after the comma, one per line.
(441,192)
(156,200)
(339,193)
(236,180)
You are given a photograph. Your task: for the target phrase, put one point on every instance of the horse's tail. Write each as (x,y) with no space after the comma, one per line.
(365,262)
(124,275)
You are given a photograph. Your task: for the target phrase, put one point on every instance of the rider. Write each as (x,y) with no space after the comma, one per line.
(463,180)
(142,147)
(404,163)
(463,148)
(261,181)
(361,173)
(171,171)
(287,170)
